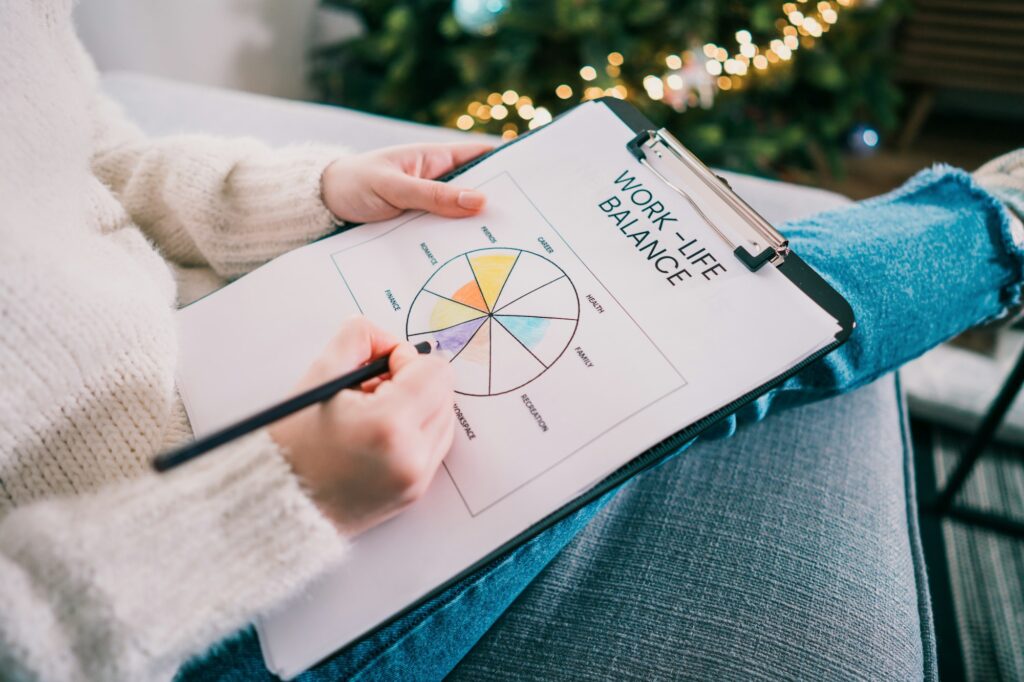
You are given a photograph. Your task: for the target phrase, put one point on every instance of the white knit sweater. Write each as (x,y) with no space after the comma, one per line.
(108,572)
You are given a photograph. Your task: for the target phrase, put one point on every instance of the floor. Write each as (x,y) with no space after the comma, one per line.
(976,577)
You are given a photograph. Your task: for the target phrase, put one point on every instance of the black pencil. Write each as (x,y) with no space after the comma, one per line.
(172,458)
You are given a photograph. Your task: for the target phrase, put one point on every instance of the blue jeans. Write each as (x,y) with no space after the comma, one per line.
(918,265)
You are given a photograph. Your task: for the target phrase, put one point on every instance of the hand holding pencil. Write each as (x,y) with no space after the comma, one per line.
(368,453)
(368,427)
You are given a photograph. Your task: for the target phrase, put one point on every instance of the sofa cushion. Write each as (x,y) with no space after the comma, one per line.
(789,551)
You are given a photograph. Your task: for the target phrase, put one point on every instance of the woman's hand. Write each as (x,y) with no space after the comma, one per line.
(381,184)
(367,454)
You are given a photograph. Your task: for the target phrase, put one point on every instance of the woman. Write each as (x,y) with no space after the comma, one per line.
(107,572)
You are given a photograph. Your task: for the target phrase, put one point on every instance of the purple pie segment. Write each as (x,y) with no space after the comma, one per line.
(454,338)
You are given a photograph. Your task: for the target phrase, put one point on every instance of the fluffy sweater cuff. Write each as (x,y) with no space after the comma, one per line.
(161,565)
(228,204)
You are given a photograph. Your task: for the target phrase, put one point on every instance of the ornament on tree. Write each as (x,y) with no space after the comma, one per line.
(479,17)
(863,140)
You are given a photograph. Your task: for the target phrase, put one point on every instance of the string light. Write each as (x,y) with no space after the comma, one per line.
(654,86)
(541,117)
(802,23)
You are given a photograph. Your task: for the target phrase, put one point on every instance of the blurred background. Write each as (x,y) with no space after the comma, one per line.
(853,96)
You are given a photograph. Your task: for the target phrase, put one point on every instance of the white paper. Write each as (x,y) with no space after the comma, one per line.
(578,342)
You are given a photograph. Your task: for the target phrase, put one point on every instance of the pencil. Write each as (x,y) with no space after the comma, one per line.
(172,458)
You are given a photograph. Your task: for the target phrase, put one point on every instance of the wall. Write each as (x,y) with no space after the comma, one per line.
(254,45)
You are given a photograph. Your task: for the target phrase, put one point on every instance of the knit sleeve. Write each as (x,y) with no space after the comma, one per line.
(128,583)
(230,204)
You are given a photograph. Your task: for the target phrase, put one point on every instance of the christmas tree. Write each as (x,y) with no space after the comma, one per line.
(753,85)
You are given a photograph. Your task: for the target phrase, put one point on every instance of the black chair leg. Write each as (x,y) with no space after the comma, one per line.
(942,505)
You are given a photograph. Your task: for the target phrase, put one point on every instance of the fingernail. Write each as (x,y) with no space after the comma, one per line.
(471,200)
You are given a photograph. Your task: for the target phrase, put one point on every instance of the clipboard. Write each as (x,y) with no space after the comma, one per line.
(757,246)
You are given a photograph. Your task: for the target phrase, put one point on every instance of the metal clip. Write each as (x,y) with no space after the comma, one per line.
(776,246)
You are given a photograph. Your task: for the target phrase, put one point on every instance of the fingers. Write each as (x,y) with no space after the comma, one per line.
(439,432)
(356,343)
(419,384)
(440,198)
(419,388)
(413,411)
(462,153)
(404,354)
(430,442)
(414,187)
(434,160)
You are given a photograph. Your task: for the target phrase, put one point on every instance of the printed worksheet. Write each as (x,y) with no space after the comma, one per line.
(588,312)
(500,300)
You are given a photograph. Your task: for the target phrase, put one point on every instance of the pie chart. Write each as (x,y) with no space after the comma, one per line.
(505,316)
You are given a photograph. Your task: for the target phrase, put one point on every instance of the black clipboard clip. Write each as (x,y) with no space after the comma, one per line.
(766,244)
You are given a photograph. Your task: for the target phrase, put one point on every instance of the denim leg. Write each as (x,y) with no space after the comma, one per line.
(918,265)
